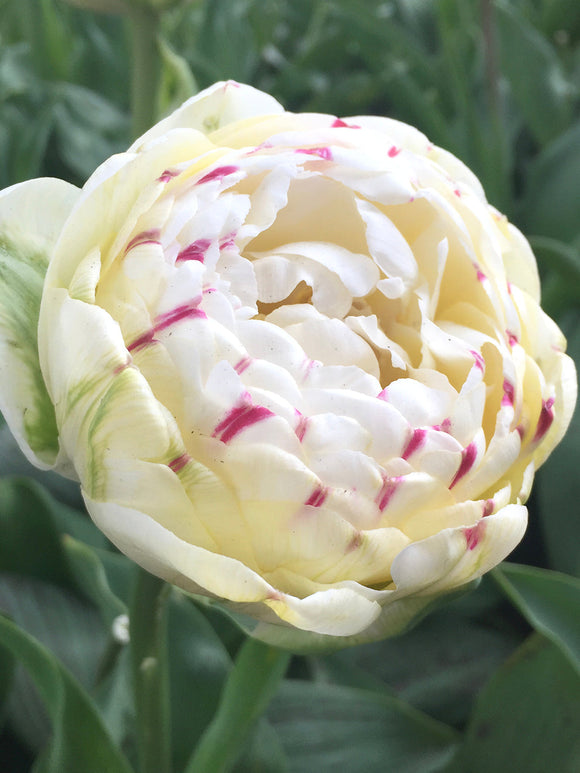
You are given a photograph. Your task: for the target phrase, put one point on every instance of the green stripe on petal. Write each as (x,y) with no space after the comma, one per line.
(31,217)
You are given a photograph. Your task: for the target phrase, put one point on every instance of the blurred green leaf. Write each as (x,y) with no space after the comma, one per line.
(550,206)
(198,666)
(328,727)
(70,629)
(431,666)
(535,74)
(80,741)
(558,484)
(90,576)
(549,601)
(527,717)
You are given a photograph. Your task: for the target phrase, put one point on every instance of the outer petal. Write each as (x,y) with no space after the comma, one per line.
(211,109)
(339,611)
(31,217)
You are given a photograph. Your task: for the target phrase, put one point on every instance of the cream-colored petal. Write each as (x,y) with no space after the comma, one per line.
(31,217)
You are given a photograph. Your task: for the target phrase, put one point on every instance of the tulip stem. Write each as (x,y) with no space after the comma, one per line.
(145,68)
(148,629)
(252,682)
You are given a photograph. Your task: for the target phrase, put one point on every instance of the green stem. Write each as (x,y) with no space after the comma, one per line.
(252,683)
(148,624)
(146,68)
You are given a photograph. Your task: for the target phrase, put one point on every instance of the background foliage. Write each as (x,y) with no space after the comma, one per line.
(490,681)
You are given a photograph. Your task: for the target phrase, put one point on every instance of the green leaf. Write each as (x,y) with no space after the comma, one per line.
(80,741)
(550,207)
(325,728)
(549,601)
(60,621)
(199,665)
(440,665)
(558,482)
(534,72)
(527,717)
(90,576)
(31,524)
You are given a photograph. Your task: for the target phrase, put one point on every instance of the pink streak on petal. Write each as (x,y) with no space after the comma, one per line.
(324,153)
(339,123)
(151,236)
(474,534)
(479,361)
(228,241)
(238,419)
(417,440)
(384,395)
(481,276)
(301,427)
(468,457)
(194,251)
(179,463)
(242,364)
(508,393)
(390,485)
(318,497)
(142,341)
(488,507)
(511,337)
(546,418)
(355,542)
(457,192)
(167,175)
(393,151)
(219,173)
(120,368)
(186,311)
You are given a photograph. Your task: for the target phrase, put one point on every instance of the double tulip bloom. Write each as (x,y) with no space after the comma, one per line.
(296,362)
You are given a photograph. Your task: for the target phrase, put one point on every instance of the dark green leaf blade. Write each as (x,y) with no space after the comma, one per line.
(550,602)
(80,741)
(527,717)
(325,728)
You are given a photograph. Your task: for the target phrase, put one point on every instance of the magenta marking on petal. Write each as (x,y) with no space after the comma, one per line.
(509,287)
(468,457)
(143,340)
(219,173)
(384,395)
(474,534)
(301,427)
(479,361)
(508,393)
(457,192)
(355,542)
(120,368)
(194,251)
(324,153)
(240,418)
(228,241)
(546,418)
(179,462)
(318,496)
(481,276)
(339,123)
(445,426)
(488,507)
(390,485)
(242,364)
(151,236)
(168,175)
(417,440)
(393,151)
(186,311)
(511,337)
